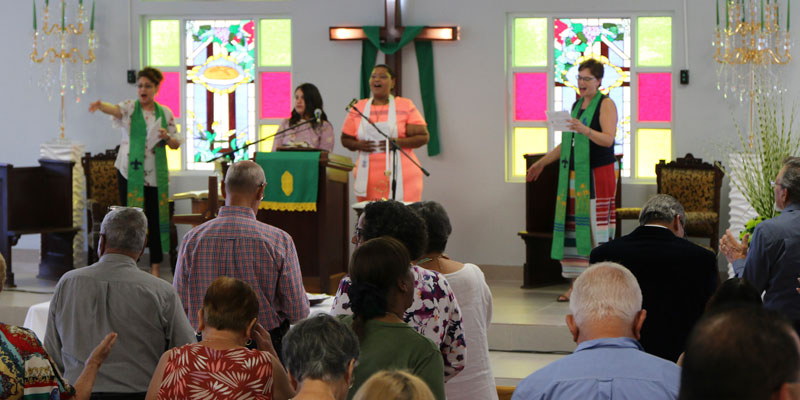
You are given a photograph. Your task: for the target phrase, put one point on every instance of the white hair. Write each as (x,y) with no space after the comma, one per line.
(244,177)
(125,228)
(605,290)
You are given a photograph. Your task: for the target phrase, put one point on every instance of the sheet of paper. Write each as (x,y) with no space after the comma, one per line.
(152,135)
(559,120)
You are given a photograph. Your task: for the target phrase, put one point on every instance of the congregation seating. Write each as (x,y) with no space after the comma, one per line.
(696,185)
(38,200)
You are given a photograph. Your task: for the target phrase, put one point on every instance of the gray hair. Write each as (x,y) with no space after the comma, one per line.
(319,347)
(244,177)
(125,228)
(791,177)
(605,290)
(662,207)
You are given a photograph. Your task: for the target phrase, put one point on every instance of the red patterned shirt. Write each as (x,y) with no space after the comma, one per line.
(236,245)
(195,371)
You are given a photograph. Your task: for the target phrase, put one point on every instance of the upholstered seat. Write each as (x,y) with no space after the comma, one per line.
(101,192)
(696,185)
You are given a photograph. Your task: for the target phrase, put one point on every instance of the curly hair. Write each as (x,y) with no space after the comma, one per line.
(152,74)
(392,218)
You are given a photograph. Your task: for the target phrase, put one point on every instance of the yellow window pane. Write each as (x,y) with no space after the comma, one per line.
(527,140)
(174,156)
(264,131)
(652,145)
(530,42)
(654,44)
(275,42)
(165,43)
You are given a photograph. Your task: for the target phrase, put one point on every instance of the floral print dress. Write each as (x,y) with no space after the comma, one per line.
(435,314)
(195,371)
(26,371)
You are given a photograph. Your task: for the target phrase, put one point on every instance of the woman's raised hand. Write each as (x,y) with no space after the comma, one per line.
(94,106)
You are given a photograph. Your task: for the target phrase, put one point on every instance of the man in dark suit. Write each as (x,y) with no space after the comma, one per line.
(677,277)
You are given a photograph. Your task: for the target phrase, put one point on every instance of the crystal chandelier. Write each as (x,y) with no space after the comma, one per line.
(68,53)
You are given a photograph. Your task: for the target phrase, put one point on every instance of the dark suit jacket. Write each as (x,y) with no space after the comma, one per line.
(677,277)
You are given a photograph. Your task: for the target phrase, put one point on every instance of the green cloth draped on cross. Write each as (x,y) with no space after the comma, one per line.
(424,49)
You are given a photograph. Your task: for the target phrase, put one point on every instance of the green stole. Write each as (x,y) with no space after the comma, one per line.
(583,230)
(136,170)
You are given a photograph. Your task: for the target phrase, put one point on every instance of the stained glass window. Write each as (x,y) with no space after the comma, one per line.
(654,43)
(165,43)
(652,145)
(655,97)
(220,92)
(275,42)
(608,41)
(215,86)
(530,42)
(530,94)
(527,141)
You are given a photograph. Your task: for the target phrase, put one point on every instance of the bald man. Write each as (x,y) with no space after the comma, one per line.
(236,245)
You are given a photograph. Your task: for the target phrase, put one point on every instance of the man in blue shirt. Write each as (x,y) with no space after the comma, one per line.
(609,363)
(772,261)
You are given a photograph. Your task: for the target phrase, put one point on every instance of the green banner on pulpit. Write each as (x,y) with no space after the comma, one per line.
(291,180)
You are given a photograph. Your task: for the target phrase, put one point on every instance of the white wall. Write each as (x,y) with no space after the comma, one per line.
(468,176)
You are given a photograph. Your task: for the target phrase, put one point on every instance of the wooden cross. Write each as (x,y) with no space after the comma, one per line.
(391,32)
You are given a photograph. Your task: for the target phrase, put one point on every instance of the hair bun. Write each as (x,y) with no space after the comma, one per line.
(367,300)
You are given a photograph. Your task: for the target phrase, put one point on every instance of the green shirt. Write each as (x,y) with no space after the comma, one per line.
(397,346)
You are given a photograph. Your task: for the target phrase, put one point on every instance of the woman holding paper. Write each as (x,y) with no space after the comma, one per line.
(147,127)
(315,132)
(398,118)
(585,210)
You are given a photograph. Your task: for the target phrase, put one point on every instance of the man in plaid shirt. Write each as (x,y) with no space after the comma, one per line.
(236,245)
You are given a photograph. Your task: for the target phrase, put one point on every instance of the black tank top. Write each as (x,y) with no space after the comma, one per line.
(598,155)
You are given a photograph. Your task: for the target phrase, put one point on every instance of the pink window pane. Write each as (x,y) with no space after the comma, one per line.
(655,97)
(530,96)
(276,94)
(170,92)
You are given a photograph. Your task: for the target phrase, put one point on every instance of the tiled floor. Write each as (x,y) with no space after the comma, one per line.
(527,324)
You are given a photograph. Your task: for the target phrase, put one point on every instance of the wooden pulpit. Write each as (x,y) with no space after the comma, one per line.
(321,237)
(540,210)
(38,200)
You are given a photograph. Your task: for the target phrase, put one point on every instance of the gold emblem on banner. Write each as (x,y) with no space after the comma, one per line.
(287,183)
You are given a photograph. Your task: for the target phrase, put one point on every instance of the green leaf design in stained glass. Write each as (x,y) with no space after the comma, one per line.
(530,42)
(275,47)
(654,42)
(164,43)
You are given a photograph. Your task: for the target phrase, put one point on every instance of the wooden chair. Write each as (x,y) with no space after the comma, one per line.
(696,185)
(101,192)
(505,392)
(205,206)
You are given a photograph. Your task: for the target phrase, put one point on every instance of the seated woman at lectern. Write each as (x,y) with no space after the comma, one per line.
(319,135)
(398,118)
(147,127)
(585,217)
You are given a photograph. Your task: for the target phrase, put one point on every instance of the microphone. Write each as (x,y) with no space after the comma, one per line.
(352,103)
(318,115)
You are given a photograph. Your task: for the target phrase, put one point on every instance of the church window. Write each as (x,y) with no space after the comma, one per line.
(637,56)
(231,86)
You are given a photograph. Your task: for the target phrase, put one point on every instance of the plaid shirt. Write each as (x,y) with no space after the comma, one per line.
(235,244)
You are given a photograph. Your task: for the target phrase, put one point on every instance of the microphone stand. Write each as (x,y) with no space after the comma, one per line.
(230,153)
(394,148)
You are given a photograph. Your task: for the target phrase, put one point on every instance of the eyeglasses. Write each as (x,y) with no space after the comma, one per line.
(586,78)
